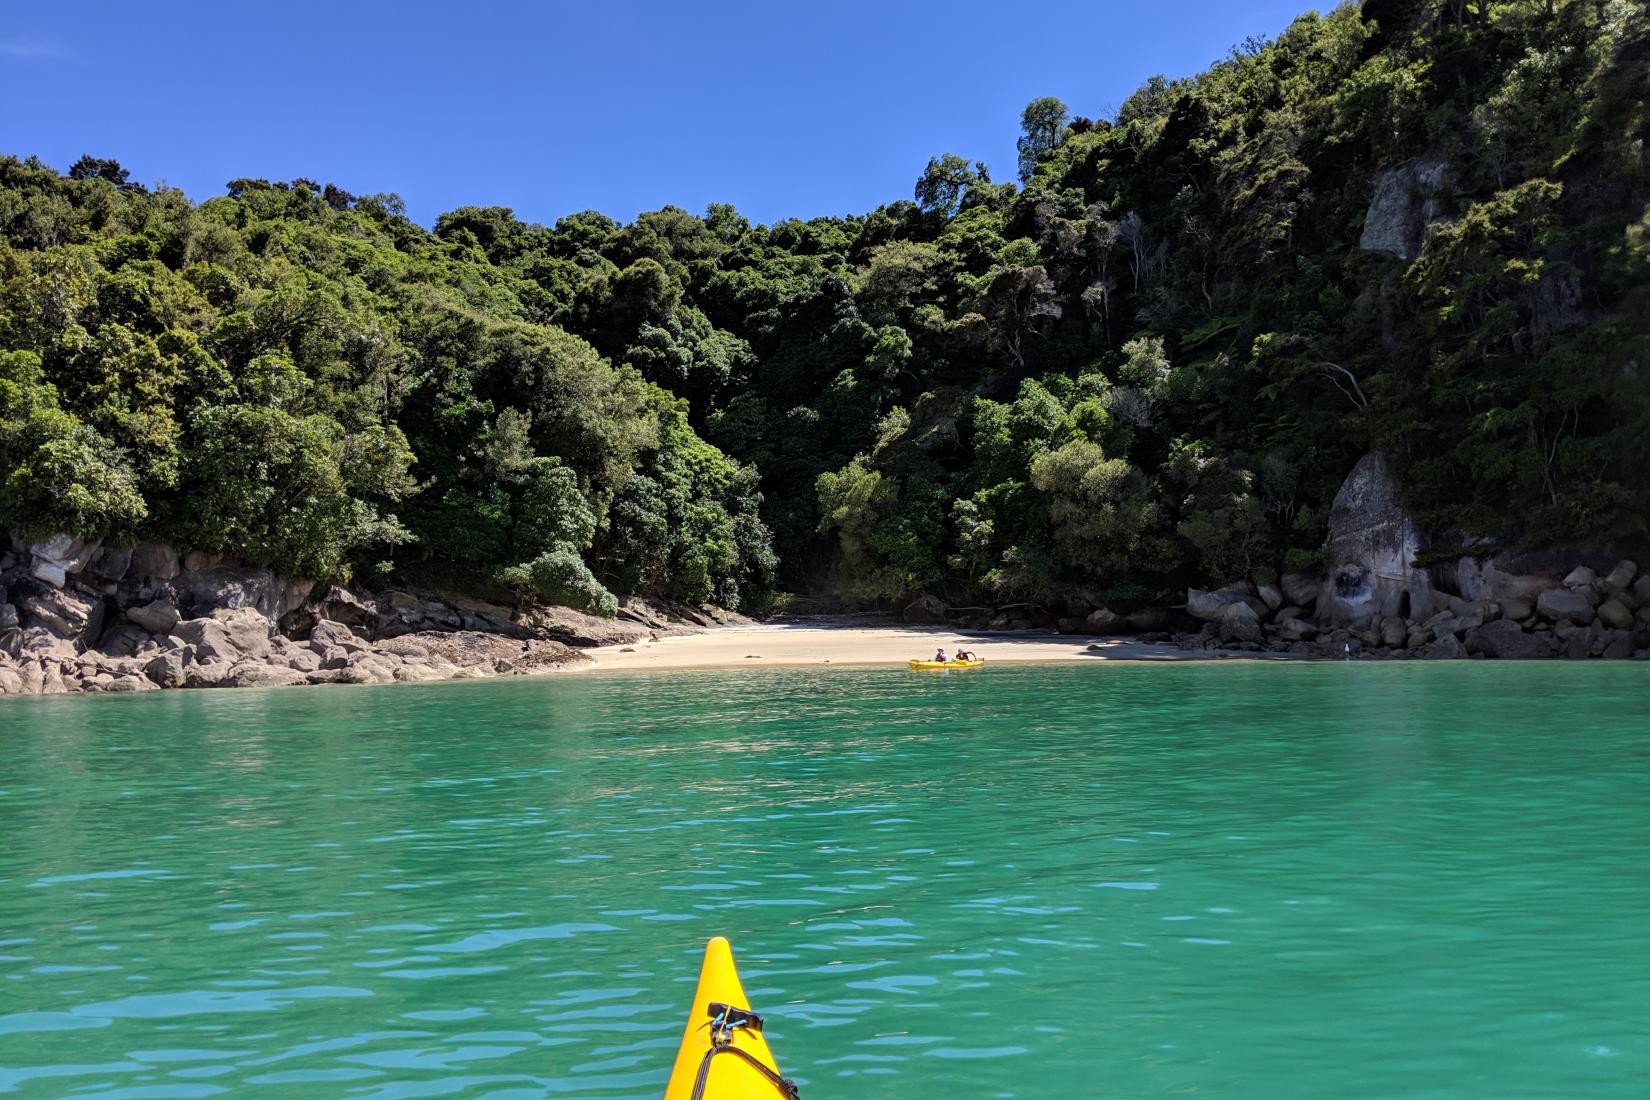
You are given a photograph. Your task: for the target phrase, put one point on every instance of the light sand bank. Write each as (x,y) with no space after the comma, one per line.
(788,644)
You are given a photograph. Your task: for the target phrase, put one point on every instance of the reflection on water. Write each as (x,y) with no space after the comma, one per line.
(1293,881)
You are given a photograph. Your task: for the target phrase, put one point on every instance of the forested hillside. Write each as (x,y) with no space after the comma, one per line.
(1420,225)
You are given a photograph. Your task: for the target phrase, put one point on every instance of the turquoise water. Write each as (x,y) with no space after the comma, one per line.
(1102,880)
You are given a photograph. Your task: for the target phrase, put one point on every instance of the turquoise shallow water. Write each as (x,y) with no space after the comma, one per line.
(1304,880)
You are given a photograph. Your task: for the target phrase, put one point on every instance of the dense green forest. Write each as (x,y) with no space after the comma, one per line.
(1148,362)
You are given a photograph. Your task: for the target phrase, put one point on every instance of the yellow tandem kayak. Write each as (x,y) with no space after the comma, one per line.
(723,1055)
(976,663)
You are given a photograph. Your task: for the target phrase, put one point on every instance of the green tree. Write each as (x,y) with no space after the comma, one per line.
(1044,124)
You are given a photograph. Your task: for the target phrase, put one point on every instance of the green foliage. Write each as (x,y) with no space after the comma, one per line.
(560,576)
(1044,124)
(1150,363)
(57,474)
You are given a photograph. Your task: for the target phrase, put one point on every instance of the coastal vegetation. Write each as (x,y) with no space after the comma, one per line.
(1414,226)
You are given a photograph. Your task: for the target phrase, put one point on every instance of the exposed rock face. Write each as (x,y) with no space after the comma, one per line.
(1404,205)
(153,561)
(1373,541)
(68,615)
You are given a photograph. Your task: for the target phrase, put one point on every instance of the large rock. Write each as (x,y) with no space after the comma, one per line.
(207,674)
(926,609)
(1373,540)
(1301,589)
(1619,578)
(1103,620)
(1580,577)
(340,605)
(55,559)
(1446,648)
(249,632)
(110,562)
(1516,607)
(1405,204)
(1240,623)
(1615,615)
(1505,640)
(1211,606)
(201,592)
(1481,579)
(156,616)
(326,634)
(154,561)
(66,614)
(1564,605)
(211,641)
(1455,623)
(1618,645)
(125,640)
(11,630)
(1270,595)
(170,669)
(1294,629)
(254,673)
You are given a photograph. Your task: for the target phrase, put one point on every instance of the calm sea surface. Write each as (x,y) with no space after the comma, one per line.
(1418,880)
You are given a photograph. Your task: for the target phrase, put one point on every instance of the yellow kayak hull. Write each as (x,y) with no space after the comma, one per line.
(731,1077)
(947,664)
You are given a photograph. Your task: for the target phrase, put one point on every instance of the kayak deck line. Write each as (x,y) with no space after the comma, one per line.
(721,1022)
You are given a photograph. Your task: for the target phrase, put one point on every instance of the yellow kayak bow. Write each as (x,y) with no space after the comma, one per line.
(723,1055)
(976,663)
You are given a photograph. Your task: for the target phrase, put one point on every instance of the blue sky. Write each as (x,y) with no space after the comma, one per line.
(784,109)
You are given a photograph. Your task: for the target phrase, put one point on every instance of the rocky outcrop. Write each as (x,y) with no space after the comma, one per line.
(77,616)
(1372,545)
(1404,207)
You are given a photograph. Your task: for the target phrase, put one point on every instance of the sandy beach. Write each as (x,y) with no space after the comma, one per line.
(805,644)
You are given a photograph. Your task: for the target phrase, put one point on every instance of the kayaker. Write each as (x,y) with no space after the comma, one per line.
(940,656)
(965,655)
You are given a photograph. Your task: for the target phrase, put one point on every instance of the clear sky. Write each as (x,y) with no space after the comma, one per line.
(782,108)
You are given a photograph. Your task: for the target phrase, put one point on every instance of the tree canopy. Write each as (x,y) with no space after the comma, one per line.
(1414,225)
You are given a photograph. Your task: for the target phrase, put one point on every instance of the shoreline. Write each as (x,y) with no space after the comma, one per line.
(792,645)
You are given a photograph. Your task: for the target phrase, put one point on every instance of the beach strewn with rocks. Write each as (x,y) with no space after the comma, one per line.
(77,616)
